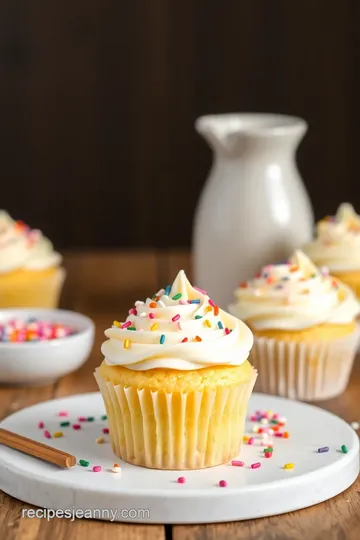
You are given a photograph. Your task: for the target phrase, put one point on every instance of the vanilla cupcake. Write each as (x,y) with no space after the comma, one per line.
(337,246)
(30,272)
(304,325)
(176,381)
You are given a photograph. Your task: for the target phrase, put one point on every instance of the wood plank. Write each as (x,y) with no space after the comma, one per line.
(108,281)
(171,262)
(64,529)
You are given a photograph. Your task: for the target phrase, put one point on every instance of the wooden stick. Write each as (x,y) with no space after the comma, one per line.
(36,449)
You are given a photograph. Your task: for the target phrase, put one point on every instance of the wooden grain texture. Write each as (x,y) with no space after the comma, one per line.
(98,103)
(139,275)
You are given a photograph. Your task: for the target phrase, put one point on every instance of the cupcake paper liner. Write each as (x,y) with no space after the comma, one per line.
(176,431)
(304,371)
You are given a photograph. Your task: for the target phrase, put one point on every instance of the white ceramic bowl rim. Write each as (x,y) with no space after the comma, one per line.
(85,324)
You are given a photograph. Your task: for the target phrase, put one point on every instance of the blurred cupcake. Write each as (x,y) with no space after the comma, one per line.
(30,273)
(337,246)
(304,325)
(176,381)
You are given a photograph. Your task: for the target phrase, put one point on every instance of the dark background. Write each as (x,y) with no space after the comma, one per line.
(98,100)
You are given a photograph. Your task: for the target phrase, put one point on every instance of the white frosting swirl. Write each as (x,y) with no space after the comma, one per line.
(186,336)
(293,296)
(23,248)
(337,244)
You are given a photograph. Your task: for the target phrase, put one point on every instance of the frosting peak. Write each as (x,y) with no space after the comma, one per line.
(337,243)
(179,328)
(24,248)
(293,296)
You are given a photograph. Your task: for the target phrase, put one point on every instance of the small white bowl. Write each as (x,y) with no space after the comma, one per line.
(42,362)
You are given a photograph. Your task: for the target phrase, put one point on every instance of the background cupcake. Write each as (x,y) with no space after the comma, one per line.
(176,381)
(30,273)
(337,246)
(304,325)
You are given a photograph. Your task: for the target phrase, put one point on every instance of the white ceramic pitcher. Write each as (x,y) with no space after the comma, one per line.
(254,209)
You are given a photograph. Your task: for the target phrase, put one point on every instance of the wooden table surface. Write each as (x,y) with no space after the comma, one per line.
(104,286)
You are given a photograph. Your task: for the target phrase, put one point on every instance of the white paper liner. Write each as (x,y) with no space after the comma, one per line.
(304,371)
(176,431)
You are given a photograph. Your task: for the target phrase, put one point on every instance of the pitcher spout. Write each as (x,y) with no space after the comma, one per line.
(230,133)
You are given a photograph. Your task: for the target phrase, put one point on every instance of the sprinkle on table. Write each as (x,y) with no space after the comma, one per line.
(82,419)
(76,427)
(268,454)
(47,434)
(268,449)
(97,468)
(323,449)
(64,424)
(181,480)
(344,449)
(100,440)
(104,417)
(105,430)
(90,419)
(84,463)
(116,468)
(256,465)
(41,425)
(223,483)
(63,413)
(237,463)
(58,434)
(289,466)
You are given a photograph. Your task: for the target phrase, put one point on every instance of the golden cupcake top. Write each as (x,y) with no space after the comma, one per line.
(24,248)
(337,241)
(179,328)
(294,295)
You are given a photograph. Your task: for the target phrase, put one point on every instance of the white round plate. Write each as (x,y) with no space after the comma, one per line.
(149,496)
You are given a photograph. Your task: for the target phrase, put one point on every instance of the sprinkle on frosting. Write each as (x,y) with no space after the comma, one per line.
(337,242)
(207,336)
(306,297)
